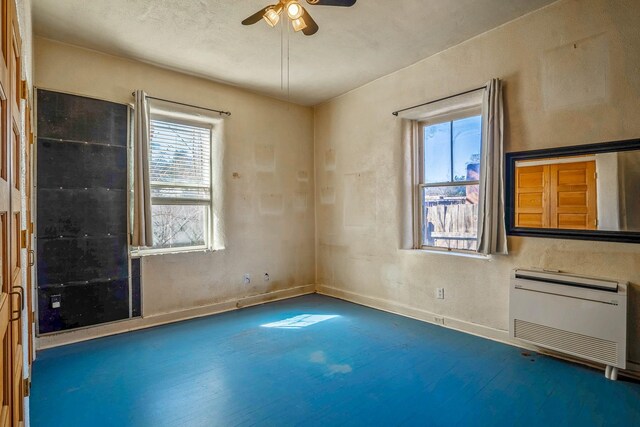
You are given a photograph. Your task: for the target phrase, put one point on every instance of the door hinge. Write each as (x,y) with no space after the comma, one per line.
(24,90)
(596,222)
(23,239)
(27,387)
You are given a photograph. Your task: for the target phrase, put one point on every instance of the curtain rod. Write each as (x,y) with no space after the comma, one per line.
(226,113)
(395,113)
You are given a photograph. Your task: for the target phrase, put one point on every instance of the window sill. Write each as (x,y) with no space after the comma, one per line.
(169,251)
(453,253)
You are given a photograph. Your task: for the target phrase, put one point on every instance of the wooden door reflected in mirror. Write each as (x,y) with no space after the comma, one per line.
(557,193)
(584,192)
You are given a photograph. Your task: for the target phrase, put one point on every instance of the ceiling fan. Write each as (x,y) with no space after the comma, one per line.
(300,18)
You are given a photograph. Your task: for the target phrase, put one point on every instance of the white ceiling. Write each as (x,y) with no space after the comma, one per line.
(204,37)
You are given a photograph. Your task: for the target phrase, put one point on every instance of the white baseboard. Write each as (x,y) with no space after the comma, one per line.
(482,331)
(416,313)
(128,325)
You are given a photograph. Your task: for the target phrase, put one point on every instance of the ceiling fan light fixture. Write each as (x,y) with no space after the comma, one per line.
(294,10)
(299,24)
(300,19)
(272,15)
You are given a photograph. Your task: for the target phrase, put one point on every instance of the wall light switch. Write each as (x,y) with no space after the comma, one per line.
(440,293)
(56,301)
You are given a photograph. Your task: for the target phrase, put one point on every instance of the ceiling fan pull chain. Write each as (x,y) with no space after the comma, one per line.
(282,56)
(288,64)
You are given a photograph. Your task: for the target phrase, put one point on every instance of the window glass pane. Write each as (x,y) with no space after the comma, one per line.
(450,217)
(180,154)
(467,137)
(437,153)
(180,169)
(176,226)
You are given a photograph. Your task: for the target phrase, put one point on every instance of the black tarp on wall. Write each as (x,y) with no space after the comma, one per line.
(81,211)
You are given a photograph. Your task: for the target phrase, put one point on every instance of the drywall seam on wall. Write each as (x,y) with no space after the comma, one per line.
(265,158)
(300,201)
(271,204)
(576,74)
(330,159)
(327,195)
(65,338)
(360,199)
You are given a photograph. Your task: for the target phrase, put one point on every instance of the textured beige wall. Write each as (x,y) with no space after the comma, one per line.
(572,76)
(278,240)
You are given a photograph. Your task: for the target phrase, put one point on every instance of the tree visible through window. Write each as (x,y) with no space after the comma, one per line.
(449,186)
(180,172)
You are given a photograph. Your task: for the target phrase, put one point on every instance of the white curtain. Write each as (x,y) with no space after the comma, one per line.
(492,236)
(410,235)
(142,235)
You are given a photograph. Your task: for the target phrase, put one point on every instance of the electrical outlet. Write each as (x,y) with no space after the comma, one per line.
(266,277)
(439,320)
(440,293)
(246,279)
(56,301)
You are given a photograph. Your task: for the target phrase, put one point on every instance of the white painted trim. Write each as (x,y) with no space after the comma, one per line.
(64,338)
(482,331)
(142,253)
(416,313)
(452,252)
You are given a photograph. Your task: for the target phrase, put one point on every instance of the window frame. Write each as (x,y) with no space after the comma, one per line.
(448,117)
(168,201)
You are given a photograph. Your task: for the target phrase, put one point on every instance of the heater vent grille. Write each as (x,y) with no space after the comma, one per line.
(595,349)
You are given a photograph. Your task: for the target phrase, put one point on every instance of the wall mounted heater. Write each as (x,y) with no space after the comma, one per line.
(579,316)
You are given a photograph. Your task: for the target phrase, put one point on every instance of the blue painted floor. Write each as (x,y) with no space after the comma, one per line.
(319,361)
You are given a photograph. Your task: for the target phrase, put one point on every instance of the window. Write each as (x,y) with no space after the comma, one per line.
(449,202)
(180,172)
(448,189)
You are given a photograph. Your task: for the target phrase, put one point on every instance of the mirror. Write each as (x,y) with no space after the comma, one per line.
(584,192)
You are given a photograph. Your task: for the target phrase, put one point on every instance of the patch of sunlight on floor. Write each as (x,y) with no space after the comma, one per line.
(300,321)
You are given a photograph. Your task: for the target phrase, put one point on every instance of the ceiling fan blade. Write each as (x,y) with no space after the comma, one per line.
(256,17)
(312,27)
(343,3)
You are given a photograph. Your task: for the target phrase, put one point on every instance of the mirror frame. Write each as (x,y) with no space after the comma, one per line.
(555,233)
